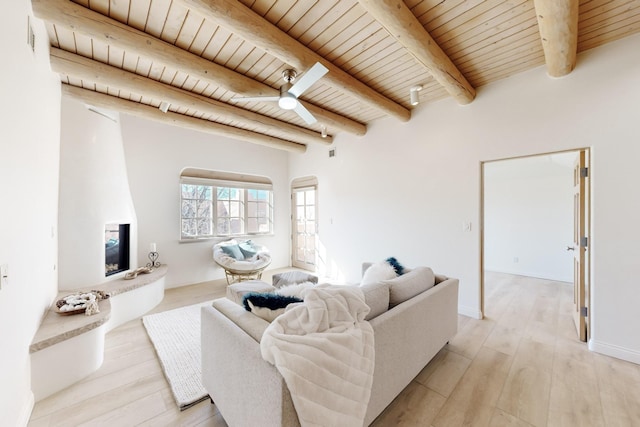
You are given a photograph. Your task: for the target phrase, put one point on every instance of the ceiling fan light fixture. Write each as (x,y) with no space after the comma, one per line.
(289,93)
(413,95)
(287,102)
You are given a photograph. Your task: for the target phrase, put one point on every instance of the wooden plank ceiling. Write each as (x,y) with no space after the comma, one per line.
(132,55)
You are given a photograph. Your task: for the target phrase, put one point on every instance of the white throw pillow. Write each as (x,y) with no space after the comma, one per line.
(266,313)
(378,272)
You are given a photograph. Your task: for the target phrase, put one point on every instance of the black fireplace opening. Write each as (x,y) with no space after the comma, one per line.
(116,248)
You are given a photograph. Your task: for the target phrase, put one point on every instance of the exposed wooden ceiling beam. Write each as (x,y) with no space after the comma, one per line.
(99,27)
(86,69)
(558,24)
(247,24)
(401,23)
(152,113)
(334,121)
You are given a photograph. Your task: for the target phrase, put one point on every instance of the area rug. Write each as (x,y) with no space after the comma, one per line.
(175,334)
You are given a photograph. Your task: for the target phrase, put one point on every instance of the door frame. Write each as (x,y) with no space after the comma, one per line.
(298,184)
(587,207)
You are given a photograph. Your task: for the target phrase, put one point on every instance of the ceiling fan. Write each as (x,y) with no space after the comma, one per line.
(289,93)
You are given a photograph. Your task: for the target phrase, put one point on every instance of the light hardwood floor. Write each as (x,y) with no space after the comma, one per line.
(520,366)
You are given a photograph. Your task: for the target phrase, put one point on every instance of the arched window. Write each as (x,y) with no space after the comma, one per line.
(216,203)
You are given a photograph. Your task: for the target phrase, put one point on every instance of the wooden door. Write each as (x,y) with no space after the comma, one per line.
(305,227)
(580,244)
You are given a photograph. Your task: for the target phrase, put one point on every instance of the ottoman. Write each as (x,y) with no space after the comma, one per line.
(292,278)
(236,291)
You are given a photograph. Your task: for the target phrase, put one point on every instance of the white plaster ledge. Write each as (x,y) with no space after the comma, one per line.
(66,349)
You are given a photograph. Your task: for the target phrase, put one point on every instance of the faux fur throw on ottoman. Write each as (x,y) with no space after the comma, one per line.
(324,350)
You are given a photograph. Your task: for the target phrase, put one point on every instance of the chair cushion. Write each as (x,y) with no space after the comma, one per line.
(248,249)
(233,251)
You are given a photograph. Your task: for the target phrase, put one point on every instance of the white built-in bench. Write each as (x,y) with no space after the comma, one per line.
(66,349)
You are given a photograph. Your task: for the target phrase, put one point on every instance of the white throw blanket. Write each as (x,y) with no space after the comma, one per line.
(324,350)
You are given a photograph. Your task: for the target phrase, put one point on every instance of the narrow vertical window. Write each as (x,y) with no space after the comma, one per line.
(259,208)
(229,208)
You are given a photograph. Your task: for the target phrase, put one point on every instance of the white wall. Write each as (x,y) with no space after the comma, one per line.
(29,143)
(406,189)
(156,154)
(94,191)
(528,216)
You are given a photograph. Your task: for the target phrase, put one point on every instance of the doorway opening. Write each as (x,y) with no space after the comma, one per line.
(535,224)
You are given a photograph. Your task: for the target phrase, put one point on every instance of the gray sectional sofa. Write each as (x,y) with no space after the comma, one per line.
(248,391)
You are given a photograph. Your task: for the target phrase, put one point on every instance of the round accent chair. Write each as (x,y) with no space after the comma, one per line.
(241,260)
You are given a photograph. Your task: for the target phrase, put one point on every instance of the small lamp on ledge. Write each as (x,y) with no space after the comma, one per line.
(153,257)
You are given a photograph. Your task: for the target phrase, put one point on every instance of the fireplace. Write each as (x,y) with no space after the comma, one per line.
(116,248)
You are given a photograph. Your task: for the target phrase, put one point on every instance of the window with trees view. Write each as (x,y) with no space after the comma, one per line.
(212,208)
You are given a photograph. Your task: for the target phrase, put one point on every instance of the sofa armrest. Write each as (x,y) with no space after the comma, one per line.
(440,278)
(407,337)
(248,322)
(246,389)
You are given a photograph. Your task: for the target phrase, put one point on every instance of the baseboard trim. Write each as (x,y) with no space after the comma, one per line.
(615,351)
(27,409)
(470,312)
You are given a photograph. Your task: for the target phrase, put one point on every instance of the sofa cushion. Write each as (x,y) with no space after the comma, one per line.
(409,285)
(267,306)
(379,271)
(376,296)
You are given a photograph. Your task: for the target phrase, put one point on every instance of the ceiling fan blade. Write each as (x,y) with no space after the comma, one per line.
(314,74)
(256,98)
(304,114)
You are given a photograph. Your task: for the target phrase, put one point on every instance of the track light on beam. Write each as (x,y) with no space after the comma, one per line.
(324,131)
(164,106)
(413,94)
